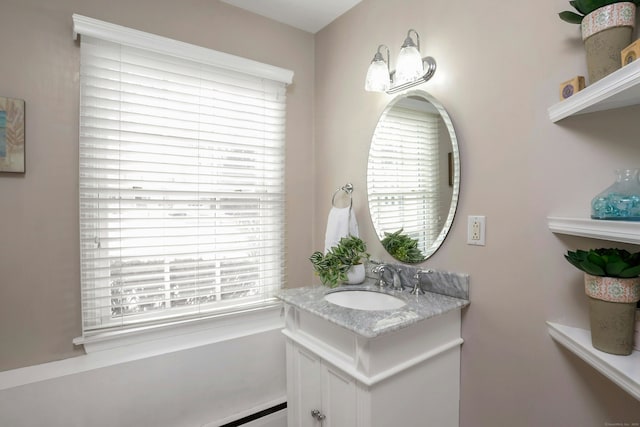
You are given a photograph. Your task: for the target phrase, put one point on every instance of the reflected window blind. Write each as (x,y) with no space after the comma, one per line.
(181,187)
(405,176)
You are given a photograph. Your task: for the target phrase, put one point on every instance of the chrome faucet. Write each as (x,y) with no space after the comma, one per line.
(417,290)
(396,282)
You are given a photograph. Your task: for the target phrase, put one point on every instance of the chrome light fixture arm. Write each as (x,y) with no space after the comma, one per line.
(409,41)
(378,56)
(430,70)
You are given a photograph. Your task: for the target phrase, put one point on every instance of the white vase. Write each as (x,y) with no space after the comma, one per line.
(356,274)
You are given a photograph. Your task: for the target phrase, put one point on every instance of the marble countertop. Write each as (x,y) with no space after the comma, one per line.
(371,324)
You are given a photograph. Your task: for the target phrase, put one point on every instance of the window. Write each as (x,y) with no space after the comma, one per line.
(404,185)
(181,179)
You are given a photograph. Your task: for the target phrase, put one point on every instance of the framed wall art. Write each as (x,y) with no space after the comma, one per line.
(12,135)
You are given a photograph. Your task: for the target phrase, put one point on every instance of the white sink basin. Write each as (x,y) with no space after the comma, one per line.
(364,300)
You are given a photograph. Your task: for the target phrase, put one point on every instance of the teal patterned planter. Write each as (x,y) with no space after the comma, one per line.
(612,289)
(605,32)
(621,14)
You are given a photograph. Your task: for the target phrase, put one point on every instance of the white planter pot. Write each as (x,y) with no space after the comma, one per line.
(356,274)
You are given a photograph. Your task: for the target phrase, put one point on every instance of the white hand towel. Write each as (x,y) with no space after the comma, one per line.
(341,223)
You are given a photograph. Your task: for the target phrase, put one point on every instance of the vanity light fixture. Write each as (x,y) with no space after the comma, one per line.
(411,68)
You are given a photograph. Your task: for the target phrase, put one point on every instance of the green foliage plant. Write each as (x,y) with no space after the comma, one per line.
(402,247)
(585,7)
(332,267)
(606,262)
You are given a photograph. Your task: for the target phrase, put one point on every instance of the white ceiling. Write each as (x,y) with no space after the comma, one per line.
(307,15)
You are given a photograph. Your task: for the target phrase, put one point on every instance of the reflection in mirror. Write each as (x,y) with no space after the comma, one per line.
(413,176)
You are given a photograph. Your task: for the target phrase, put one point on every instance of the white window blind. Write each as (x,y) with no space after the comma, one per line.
(181,187)
(403,176)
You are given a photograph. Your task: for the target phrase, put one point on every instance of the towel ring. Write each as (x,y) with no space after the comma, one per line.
(348,189)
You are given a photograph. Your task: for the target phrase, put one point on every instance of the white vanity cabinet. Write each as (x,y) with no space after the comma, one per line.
(340,376)
(318,388)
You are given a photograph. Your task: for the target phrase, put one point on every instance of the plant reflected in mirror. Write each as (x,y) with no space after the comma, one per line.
(402,247)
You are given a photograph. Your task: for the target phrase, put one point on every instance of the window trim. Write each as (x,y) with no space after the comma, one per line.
(140,39)
(217,326)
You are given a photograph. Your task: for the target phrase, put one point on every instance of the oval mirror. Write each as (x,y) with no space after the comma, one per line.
(413,176)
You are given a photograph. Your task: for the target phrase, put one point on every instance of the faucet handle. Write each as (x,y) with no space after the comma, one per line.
(419,273)
(379,270)
(417,290)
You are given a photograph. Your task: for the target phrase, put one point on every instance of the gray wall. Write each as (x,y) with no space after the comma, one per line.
(500,65)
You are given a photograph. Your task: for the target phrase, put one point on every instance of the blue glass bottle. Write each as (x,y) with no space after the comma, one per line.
(620,201)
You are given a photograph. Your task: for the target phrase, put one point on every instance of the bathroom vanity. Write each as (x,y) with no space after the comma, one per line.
(371,356)
(372,367)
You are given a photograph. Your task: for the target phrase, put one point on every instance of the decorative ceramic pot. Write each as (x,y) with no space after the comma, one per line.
(356,274)
(612,308)
(605,32)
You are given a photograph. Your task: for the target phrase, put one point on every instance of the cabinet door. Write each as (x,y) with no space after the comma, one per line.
(305,386)
(339,398)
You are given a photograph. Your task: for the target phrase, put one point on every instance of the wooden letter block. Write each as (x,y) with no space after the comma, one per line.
(572,86)
(630,53)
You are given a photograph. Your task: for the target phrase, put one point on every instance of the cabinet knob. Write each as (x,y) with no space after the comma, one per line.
(318,415)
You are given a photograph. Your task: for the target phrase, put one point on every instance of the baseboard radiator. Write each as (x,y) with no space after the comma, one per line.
(270,417)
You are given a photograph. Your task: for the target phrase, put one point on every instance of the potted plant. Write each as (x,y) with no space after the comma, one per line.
(613,287)
(402,247)
(606,26)
(342,263)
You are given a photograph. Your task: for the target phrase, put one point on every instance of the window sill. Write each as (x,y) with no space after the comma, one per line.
(184,334)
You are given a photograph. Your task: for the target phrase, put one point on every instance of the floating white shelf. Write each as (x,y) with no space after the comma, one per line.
(615,231)
(622,370)
(619,89)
